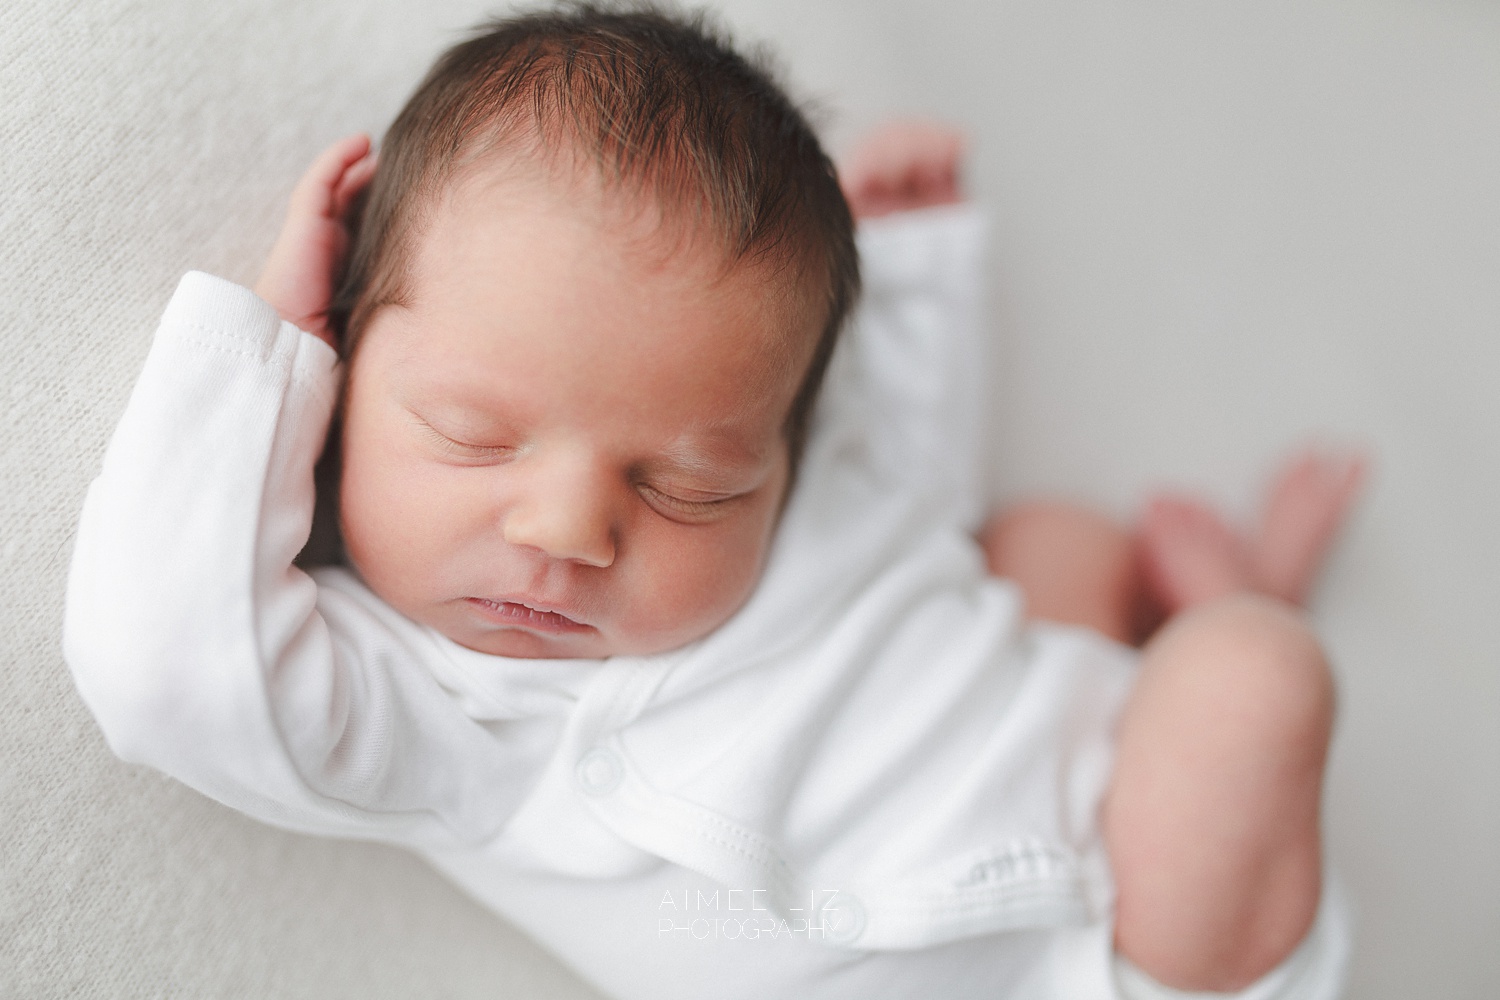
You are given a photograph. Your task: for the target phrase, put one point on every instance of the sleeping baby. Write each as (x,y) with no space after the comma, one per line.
(663,629)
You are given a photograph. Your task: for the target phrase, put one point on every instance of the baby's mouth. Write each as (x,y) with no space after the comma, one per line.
(517,613)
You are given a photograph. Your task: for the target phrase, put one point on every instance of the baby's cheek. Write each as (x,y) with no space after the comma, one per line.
(720,571)
(364,514)
(385,510)
(698,580)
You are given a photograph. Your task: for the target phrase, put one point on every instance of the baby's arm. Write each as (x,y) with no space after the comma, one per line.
(204,652)
(914,358)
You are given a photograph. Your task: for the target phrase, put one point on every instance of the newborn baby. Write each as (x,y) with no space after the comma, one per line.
(695,675)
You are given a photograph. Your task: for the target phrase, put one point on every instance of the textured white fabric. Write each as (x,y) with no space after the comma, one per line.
(1221,227)
(873,744)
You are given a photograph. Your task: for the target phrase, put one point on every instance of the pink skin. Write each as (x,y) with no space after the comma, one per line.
(567,443)
(1212,816)
(901,166)
(1307,506)
(298,276)
(1191,556)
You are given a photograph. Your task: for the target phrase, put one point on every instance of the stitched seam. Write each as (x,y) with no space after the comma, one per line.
(774,862)
(313,387)
(204,345)
(730,837)
(243,349)
(751,841)
(1016,896)
(219,332)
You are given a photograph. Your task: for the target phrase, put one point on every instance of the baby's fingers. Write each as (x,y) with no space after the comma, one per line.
(317,193)
(901,166)
(355,180)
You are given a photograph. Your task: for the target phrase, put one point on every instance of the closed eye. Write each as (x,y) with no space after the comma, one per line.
(464,450)
(707,508)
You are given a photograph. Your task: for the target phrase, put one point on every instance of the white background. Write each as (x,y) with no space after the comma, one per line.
(1219,229)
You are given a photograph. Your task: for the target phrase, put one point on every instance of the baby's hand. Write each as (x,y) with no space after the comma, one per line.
(299,274)
(901,166)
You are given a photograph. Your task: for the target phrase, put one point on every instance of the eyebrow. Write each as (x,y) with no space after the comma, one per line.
(437,387)
(729,456)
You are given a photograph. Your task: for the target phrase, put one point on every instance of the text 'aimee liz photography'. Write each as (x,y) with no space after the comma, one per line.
(724,914)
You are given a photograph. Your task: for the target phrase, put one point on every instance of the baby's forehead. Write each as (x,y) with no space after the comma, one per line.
(541,263)
(648,228)
(655,214)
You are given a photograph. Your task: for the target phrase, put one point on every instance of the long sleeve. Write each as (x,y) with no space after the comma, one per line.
(916,362)
(200,648)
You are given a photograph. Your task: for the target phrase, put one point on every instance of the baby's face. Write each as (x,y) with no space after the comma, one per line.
(569,442)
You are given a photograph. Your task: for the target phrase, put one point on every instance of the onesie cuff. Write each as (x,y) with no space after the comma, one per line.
(926,246)
(221,315)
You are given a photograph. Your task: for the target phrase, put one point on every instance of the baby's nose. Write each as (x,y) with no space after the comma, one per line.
(564,512)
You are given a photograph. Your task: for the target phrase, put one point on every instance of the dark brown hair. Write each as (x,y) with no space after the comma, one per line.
(661,105)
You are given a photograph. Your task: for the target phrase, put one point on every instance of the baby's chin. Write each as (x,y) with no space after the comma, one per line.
(528,644)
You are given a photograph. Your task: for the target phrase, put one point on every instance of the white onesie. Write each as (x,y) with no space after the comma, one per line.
(875,779)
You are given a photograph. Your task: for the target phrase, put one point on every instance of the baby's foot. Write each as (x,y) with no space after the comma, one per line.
(1307,505)
(1189,556)
(902,166)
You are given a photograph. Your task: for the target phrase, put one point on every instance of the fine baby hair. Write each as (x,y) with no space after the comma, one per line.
(661,108)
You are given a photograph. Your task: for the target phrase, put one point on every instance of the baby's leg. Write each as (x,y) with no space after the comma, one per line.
(1211,820)
(1074,566)
(1079,567)
(1212,815)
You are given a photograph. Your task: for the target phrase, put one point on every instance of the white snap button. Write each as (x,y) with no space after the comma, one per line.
(600,771)
(843,919)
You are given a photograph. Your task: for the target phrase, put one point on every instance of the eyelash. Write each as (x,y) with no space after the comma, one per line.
(461,449)
(692,508)
(652,495)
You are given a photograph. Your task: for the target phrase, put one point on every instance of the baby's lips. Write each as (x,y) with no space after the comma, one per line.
(527,614)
